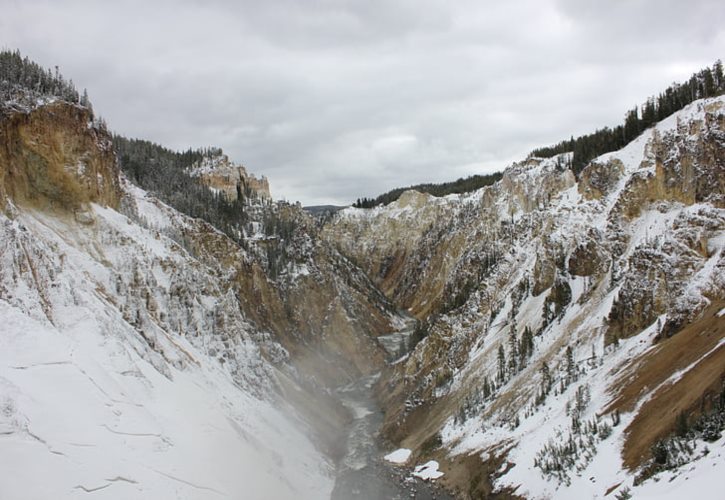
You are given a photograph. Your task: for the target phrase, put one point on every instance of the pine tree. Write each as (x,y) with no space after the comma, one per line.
(486,388)
(526,346)
(708,84)
(570,366)
(545,384)
(85,101)
(649,113)
(717,76)
(631,125)
(501,365)
(513,352)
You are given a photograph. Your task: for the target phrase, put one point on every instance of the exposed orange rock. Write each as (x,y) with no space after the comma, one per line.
(54,157)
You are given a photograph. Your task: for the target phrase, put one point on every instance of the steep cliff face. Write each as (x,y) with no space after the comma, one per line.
(224,176)
(419,247)
(540,290)
(392,247)
(321,308)
(55,156)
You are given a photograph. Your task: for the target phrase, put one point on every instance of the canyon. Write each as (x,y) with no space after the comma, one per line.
(538,338)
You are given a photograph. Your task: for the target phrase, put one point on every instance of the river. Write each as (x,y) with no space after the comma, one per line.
(363,474)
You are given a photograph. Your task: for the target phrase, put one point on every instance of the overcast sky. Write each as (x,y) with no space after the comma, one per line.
(339,99)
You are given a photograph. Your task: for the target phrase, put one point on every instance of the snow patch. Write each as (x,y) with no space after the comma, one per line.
(429,470)
(399,456)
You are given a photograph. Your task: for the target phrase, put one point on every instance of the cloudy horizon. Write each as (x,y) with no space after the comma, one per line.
(336,100)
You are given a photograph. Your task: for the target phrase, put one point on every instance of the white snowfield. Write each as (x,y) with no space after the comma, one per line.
(89,408)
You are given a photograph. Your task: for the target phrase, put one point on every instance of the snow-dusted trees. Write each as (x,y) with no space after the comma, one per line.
(546,383)
(513,351)
(20,78)
(526,346)
(462,185)
(557,300)
(164,172)
(571,370)
(707,82)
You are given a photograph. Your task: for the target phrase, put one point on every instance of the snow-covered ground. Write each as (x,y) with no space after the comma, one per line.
(80,413)
(111,382)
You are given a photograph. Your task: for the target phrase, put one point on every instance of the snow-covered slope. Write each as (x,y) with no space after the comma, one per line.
(112,379)
(569,322)
(145,354)
(568,326)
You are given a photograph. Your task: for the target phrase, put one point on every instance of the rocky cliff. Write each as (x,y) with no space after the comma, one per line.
(544,292)
(55,156)
(233,181)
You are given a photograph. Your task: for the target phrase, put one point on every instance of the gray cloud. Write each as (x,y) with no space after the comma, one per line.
(337,99)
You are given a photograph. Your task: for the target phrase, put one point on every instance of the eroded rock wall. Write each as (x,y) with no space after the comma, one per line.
(55,156)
